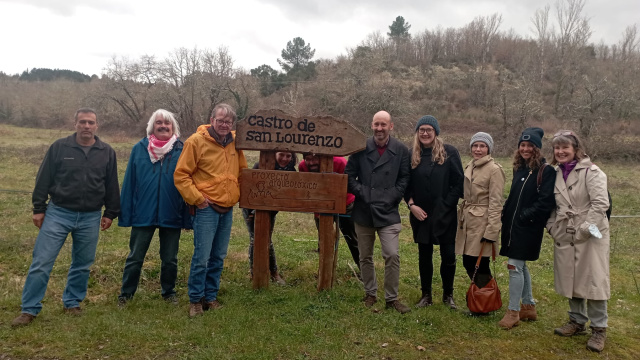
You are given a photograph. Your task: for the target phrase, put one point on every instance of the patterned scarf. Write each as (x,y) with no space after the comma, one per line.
(159,148)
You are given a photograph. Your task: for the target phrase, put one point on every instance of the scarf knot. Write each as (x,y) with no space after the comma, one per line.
(159,148)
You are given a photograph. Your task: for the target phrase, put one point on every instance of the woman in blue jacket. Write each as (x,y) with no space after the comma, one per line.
(150,201)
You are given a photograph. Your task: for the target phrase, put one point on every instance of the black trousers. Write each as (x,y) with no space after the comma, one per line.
(447,266)
(484,271)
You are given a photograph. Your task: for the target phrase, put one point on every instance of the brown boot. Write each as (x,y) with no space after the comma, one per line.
(569,329)
(211,305)
(23,320)
(511,318)
(597,339)
(195,309)
(528,312)
(369,300)
(398,306)
(73,311)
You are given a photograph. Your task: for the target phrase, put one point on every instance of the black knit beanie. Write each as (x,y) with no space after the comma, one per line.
(533,135)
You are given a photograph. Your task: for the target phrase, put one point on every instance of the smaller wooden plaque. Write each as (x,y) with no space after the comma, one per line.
(293,191)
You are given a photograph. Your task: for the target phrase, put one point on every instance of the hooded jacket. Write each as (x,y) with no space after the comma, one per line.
(149,196)
(206,168)
(525,213)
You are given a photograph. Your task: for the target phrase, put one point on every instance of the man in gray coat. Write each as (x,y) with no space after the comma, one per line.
(378,177)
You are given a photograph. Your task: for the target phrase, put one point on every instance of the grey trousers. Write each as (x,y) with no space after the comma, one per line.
(389,242)
(581,311)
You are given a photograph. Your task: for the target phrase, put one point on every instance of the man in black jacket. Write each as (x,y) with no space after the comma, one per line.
(78,176)
(378,177)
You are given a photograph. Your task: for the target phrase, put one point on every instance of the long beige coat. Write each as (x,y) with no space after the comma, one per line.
(581,261)
(479,213)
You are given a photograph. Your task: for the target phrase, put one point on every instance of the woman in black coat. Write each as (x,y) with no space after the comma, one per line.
(435,186)
(524,217)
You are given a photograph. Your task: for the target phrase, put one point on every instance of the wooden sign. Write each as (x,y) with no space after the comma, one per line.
(293,191)
(271,130)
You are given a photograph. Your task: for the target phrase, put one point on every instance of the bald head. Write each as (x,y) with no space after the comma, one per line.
(381,126)
(382,115)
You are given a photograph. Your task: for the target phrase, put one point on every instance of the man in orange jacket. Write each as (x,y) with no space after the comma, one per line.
(207,176)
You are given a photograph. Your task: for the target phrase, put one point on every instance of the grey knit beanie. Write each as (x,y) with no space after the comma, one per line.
(485,138)
(429,120)
(533,135)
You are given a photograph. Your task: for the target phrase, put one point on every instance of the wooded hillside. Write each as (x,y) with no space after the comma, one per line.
(474,78)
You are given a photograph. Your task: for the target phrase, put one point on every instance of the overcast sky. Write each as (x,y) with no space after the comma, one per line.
(83,35)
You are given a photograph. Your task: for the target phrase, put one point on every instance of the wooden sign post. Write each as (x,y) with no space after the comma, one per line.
(323,192)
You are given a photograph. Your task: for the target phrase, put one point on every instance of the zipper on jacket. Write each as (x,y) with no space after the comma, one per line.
(517,204)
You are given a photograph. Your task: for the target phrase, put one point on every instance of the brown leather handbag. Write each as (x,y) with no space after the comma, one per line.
(486,299)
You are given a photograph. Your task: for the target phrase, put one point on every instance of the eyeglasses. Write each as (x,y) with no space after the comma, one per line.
(426,131)
(564,133)
(223,122)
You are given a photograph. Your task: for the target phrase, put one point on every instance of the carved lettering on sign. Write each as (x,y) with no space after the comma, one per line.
(291,191)
(275,130)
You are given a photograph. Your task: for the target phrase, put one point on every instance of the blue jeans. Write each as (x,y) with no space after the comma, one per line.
(58,223)
(519,285)
(139,244)
(211,231)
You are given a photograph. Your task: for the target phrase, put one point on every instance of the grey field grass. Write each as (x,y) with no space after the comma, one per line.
(294,321)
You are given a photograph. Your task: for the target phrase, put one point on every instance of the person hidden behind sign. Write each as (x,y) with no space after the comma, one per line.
(311,163)
(285,161)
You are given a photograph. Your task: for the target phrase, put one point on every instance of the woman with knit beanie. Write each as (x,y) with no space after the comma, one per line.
(524,217)
(480,211)
(432,196)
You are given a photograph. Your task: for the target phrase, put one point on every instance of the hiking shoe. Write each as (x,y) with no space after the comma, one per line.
(23,320)
(425,300)
(171,299)
(400,307)
(369,300)
(528,312)
(276,278)
(211,305)
(571,328)
(73,311)
(195,309)
(447,299)
(511,318)
(597,339)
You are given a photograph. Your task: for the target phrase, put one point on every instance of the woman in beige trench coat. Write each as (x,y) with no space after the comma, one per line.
(580,230)
(479,215)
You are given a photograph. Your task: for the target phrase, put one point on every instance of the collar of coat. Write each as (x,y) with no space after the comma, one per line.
(71,141)
(393,148)
(476,164)
(574,176)
(204,131)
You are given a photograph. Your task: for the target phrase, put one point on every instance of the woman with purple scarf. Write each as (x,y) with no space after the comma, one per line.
(580,229)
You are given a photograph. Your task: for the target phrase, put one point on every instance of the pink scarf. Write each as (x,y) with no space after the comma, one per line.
(159,148)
